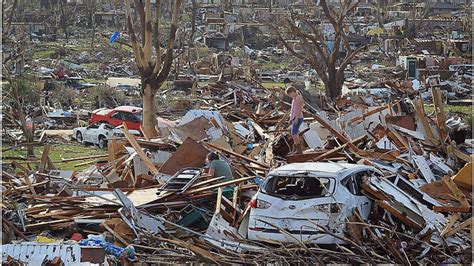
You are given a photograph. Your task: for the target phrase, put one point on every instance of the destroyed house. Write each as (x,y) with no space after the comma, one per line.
(38,28)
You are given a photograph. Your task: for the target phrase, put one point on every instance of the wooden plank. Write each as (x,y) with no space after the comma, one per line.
(259,130)
(224,184)
(237,155)
(144,133)
(219,201)
(461,155)
(189,154)
(457,193)
(44,158)
(439,111)
(336,133)
(458,228)
(330,152)
(384,205)
(139,150)
(420,113)
(115,234)
(369,113)
(465,209)
(30,186)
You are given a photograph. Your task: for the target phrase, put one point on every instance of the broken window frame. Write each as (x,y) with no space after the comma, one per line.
(292,174)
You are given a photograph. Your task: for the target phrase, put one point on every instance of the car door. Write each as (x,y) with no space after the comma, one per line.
(90,134)
(353,183)
(132,121)
(117,118)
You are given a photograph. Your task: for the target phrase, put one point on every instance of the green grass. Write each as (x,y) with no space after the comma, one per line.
(452,109)
(44,54)
(273,65)
(270,85)
(57,153)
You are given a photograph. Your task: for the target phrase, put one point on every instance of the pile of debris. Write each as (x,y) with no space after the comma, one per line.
(396,188)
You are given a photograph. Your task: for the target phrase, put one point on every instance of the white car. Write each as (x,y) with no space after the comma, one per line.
(301,197)
(291,76)
(99,134)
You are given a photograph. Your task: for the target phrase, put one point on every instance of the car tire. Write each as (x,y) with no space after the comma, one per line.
(102,142)
(79,137)
(287,80)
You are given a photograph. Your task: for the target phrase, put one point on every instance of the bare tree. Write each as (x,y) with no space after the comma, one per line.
(418,18)
(153,70)
(381,11)
(323,60)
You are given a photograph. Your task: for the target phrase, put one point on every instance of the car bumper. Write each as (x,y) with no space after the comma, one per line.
(289,230)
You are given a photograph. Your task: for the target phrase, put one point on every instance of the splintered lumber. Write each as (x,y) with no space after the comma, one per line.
(237,155)
(421,115)
(369,113)
(224,184)
(144,133)
(335,132)
(439,110)
(459,227)
(139,150)
(330,152)
(115,234)
(464,177)
(44,158)
(399,214)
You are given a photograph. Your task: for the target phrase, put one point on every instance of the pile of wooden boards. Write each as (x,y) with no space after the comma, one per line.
(166,201)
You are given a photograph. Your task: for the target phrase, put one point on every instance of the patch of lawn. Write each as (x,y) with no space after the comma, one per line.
(59,152)
(270,85)
(44,54)
(451,109)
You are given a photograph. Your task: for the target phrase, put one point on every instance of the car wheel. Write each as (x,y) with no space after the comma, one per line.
(79,137)
(102,142)
(287,80)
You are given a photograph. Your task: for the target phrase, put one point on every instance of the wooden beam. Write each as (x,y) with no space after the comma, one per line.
(219,201)
(369,113)
(224,184)
(384,205)
(44,158)
(456,209)
(115,234)
(237,155)
(440,119)
(148,163)
(420,113)
(458,228)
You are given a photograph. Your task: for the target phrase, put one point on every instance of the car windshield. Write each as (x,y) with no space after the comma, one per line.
(297,187)
(140,116)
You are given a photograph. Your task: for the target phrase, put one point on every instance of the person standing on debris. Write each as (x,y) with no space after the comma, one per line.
(296,117)
(218,167)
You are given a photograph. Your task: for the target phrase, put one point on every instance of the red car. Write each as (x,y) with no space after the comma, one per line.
(132,116)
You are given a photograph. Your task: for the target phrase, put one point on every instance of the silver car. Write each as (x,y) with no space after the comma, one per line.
(305,199)
(99,134)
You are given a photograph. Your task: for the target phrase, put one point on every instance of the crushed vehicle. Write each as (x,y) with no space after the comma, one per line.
(303,198)
(130,115)
(99,134)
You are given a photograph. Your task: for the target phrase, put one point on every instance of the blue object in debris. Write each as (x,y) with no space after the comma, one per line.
(128,252)
(114,37)
(250,146)
(257,180)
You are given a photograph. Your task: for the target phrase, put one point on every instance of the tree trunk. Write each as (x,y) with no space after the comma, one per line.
(149,112)
(333,85)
